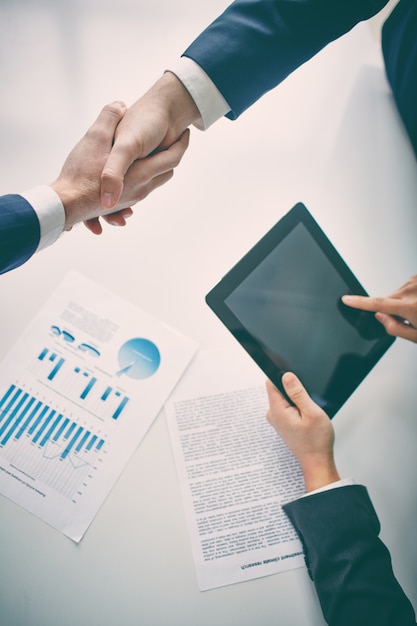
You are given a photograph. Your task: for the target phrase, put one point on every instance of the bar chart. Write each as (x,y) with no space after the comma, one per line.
(47,445)
(78,393)
(79,384)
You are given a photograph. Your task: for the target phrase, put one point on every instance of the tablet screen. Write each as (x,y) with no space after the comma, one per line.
(282,303)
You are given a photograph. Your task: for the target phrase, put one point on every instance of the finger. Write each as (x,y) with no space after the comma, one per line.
(144,190)
(104,127)
(113,174)
(383,305)
(114,219)
(123,154)
(94,226)
(278,405)
(275,397)
(396,328)
(164,160)
(122,163)
(119,217)
(147,174)
(297,392)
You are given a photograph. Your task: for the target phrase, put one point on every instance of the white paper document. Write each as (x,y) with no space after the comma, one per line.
(78,392)
(234,471)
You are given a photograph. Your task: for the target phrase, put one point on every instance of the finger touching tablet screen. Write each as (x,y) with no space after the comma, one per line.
(282,302)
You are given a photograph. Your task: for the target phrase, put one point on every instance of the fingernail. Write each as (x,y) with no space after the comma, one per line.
(347,299)
(107,200)
(290,379)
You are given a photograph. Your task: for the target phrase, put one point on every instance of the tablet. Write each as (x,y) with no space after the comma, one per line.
(282,302)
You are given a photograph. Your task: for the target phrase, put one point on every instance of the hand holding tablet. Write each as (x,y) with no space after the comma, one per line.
(282,302)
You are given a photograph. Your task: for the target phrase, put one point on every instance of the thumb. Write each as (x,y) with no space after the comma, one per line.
(297,392)
(107,122)
(122,155)
(112,178)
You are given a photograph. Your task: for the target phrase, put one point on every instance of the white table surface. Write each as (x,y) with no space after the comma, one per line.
(330,137)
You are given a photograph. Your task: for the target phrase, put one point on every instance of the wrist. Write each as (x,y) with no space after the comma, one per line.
(182,110)
(72,203)
(319,473)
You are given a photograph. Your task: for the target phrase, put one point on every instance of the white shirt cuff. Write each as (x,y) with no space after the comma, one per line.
(335,485)
(207,97)
(50,211)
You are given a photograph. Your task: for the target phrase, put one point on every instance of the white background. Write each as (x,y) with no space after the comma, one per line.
(330,137)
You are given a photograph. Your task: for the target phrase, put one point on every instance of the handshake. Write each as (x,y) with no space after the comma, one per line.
(125,155)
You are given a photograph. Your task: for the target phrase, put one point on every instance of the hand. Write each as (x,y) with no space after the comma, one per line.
(306,429)
(150,125)
(78,184)
(397,312)
(118,218)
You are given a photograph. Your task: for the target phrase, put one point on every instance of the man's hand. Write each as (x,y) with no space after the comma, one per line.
(397,312)
(79,183)
(151,125)
(306,429)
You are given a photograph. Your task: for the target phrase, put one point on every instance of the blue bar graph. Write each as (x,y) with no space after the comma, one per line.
(7,395)
(43,426)
(82,441)
(106,394)
(120,408)
(69,431)
(51,429)
(71,444)
(91,442)
(60,430)
(28,420)
(38,420)
(23,414)
(56,369)
(17,422)
(53,359)
(13,412)
(82,385)
(88,388)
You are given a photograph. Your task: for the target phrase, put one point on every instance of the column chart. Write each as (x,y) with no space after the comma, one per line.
(80,385)
(46,444)
(78,393)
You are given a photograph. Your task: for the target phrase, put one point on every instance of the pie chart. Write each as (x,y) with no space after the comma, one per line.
(139,358)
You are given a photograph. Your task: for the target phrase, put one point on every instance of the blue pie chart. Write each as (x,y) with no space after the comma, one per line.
(139,358)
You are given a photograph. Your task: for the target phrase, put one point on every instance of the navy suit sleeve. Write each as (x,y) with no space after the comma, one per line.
(19,232)
(348,563)
(399,45)
(256,44)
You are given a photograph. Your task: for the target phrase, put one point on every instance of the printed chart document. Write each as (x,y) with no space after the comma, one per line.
(78,392)
(234,471)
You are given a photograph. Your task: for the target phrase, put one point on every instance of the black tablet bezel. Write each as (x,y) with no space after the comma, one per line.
(229,283)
